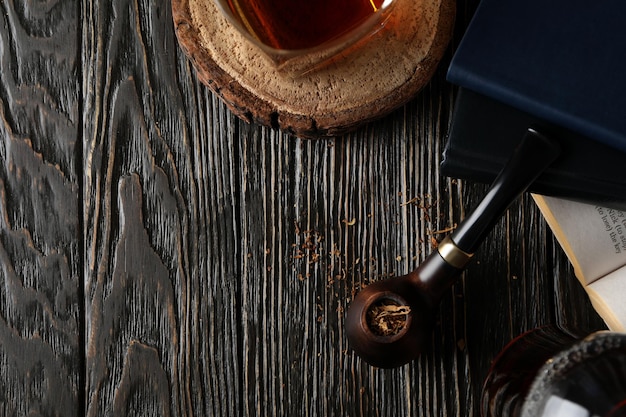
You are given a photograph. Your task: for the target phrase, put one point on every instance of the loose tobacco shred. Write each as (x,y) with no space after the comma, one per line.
(387,318)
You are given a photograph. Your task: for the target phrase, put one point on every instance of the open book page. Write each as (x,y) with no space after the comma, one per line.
(608,297)
(593,237)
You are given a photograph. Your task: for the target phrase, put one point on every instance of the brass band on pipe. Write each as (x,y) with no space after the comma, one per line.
(452,254)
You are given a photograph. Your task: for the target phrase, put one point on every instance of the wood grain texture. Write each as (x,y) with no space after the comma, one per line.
(161,290)
(360,208)
(40,264)
(159,256)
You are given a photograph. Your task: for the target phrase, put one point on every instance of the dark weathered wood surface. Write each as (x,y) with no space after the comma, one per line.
(160,257)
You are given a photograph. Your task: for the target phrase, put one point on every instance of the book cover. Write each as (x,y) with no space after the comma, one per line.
(484,132)
(560,65)
(594,240)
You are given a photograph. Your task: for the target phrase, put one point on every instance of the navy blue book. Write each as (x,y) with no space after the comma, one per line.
(559,66)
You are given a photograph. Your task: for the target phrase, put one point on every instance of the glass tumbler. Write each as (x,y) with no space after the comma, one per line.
(549,373)
(298,35)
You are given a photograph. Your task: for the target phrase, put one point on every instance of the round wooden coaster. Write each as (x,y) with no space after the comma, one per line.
(365,84)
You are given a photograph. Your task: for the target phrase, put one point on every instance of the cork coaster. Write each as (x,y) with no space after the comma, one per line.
(365,84)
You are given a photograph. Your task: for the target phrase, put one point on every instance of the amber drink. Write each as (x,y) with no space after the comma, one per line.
(549,373)
(310,31)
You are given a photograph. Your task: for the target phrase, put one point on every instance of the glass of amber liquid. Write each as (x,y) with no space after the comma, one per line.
(302,34)
(547,372)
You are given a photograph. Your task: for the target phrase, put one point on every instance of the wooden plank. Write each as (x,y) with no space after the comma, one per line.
(321,220)
(41,359)
(160,223)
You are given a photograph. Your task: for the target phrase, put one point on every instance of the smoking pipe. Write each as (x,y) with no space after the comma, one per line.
(422,289)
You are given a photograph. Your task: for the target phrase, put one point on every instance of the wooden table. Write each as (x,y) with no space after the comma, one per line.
(161,257)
